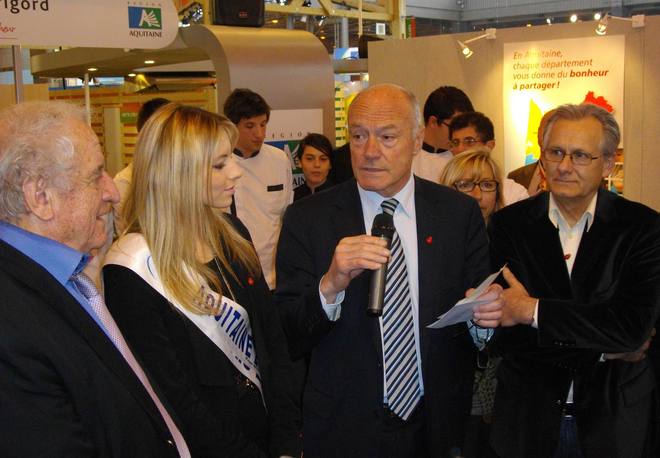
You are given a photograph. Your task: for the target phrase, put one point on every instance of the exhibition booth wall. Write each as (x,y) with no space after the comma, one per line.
(622,68)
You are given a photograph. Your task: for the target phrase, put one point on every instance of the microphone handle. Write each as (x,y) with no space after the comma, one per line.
(377,289)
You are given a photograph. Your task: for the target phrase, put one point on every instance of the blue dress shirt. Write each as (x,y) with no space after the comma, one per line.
(61,261)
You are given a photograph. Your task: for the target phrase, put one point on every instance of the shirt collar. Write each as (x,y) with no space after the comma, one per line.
(405,197)
(58,259)
(558,219)
(431,149)
(239,153)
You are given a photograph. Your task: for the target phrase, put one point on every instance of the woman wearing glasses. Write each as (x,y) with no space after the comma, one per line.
(475,173)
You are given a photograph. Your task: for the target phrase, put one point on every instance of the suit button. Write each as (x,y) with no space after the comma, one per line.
(170,442)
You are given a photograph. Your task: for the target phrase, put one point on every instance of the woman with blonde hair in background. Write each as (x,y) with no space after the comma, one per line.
(475,173)
(185,287)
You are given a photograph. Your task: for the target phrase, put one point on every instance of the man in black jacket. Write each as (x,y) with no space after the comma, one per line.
(584,270)
(69,385)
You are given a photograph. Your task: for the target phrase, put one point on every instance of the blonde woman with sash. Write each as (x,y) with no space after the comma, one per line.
(185,287)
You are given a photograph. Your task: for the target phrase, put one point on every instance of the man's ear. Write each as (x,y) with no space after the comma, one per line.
(490,144)
(608,165)
(419,139)
(38,198)
(433,121)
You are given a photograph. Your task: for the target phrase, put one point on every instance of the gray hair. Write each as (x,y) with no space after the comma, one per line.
(569,112)
(35,143)
(410,97)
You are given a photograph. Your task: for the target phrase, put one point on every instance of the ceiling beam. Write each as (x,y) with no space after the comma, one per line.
(336,12)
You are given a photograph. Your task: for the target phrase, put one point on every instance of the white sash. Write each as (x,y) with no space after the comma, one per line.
(229,330)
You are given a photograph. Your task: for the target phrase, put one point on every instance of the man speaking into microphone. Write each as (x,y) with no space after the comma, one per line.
(388,385)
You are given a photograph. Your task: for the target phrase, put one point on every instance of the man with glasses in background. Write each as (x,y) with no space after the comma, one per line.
(473,129)
(583,266)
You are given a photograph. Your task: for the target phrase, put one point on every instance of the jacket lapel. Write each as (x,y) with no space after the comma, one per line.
(594,245)
(429,255)
(545,252)
(55,296)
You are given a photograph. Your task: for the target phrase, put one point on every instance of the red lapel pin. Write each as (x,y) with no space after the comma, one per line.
(429,240)
(250,281)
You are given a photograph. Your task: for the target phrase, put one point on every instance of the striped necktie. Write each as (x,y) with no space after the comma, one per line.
(399,349)
(88,289)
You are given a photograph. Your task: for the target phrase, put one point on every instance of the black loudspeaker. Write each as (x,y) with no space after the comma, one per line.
(245,13)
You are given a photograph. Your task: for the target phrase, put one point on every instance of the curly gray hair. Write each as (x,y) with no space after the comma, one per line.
(35,143)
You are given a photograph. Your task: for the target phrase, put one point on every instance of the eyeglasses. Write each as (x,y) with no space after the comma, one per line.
(448,124)
(577,157)
(467,141)
(484,185)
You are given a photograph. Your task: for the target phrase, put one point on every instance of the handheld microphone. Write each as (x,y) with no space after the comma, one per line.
(383,227)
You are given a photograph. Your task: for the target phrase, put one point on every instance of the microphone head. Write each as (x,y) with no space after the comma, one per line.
(383,226)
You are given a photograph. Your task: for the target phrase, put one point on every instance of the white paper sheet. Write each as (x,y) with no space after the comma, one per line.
(462,310)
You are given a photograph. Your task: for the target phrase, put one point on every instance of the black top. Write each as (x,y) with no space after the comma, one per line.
(218,413)
(431,149)
(342,169)
(303,190)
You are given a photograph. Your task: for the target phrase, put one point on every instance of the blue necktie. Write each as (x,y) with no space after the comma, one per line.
(399,350)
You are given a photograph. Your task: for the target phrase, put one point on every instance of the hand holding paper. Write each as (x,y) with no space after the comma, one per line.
(483,305)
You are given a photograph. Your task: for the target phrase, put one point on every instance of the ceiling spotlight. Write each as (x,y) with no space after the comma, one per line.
(637,21)
(601,27)
(132,75)
(149,62)
(573,18)
(92,69)
(191,14)
(466,51)
(597,16)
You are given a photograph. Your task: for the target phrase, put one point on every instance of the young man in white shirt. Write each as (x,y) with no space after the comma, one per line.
(266,187)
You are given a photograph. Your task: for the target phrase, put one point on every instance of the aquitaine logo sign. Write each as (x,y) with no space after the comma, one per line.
(142,24)
(144,18)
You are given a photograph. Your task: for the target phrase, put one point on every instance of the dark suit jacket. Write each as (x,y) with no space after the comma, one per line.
(219,416)
(607,305)
(343,399)
(65,390)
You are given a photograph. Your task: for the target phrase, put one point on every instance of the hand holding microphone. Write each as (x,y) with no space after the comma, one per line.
(353,255)
(382,227)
